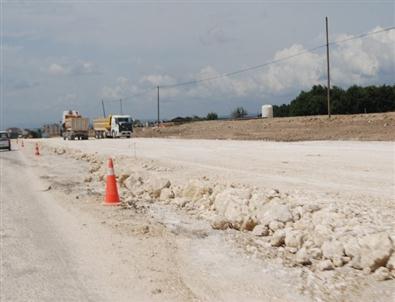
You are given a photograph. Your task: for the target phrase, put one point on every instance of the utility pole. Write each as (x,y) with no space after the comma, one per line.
(327,64)
(158,107)
(120,105)
(104,111)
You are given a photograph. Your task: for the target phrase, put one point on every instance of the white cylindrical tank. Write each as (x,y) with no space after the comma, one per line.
(267,111)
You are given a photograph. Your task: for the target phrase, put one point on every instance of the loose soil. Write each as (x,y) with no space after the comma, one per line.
(367,127)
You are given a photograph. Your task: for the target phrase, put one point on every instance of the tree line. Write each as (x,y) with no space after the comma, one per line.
(353,100)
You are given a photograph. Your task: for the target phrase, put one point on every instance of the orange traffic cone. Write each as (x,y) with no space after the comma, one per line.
(112,197)
(37,152)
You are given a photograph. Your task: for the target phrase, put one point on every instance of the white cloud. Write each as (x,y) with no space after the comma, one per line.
(357,61)
(123,88)
(299,72)
(57,69)
(84,68)
(362,61)
(73,69)
(224,86)
(215,35)
(157,79)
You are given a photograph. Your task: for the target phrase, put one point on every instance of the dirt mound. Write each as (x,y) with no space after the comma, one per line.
(377,126)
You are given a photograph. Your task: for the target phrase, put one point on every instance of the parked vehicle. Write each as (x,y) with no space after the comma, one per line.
(74,125)
(113,126)
(5,142)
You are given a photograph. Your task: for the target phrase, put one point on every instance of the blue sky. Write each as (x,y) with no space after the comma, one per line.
(60,55)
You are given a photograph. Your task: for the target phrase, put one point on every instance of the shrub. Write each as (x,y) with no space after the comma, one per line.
(212,116)
(239,112)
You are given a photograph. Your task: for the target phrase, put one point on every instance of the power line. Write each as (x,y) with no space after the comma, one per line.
(360,36)
(256,67)
(144,92)
(128,97)
(228,74)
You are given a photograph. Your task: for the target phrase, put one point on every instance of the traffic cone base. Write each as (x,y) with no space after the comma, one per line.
(37,152)
(111,198)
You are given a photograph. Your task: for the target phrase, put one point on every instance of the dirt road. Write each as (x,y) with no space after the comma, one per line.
(341,167)
(50,253)
(59,243)
(333,197)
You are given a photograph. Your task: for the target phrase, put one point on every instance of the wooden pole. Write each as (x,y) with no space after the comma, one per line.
(158,107)
(328,69)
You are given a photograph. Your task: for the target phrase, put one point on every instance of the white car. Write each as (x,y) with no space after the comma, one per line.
(5,142)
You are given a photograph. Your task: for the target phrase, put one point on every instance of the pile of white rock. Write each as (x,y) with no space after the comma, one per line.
(323,236)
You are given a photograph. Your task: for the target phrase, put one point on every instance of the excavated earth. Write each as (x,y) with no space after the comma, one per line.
(371,127)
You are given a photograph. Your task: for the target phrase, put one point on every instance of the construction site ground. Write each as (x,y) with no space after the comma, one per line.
(167,241)
(371,127)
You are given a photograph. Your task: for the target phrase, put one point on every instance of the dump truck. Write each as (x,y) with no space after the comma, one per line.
(74,125)
(113,126)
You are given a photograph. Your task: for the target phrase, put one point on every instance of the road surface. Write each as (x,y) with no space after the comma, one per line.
(360,168)
(57,248)
(45,254)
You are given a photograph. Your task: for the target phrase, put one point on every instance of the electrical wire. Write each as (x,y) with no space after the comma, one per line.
(256,67)
(228,74)
(132,96)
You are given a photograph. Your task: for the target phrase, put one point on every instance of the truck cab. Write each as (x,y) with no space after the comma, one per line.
(121,126)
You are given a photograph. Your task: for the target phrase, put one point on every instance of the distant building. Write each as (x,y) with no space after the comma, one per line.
(50,130)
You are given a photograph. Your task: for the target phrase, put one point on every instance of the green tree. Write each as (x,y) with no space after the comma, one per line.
(355,99)
(281,111)
(212,116)
(239,112)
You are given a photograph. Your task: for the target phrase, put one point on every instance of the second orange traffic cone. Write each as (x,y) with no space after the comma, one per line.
(37,151)
(112,197)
